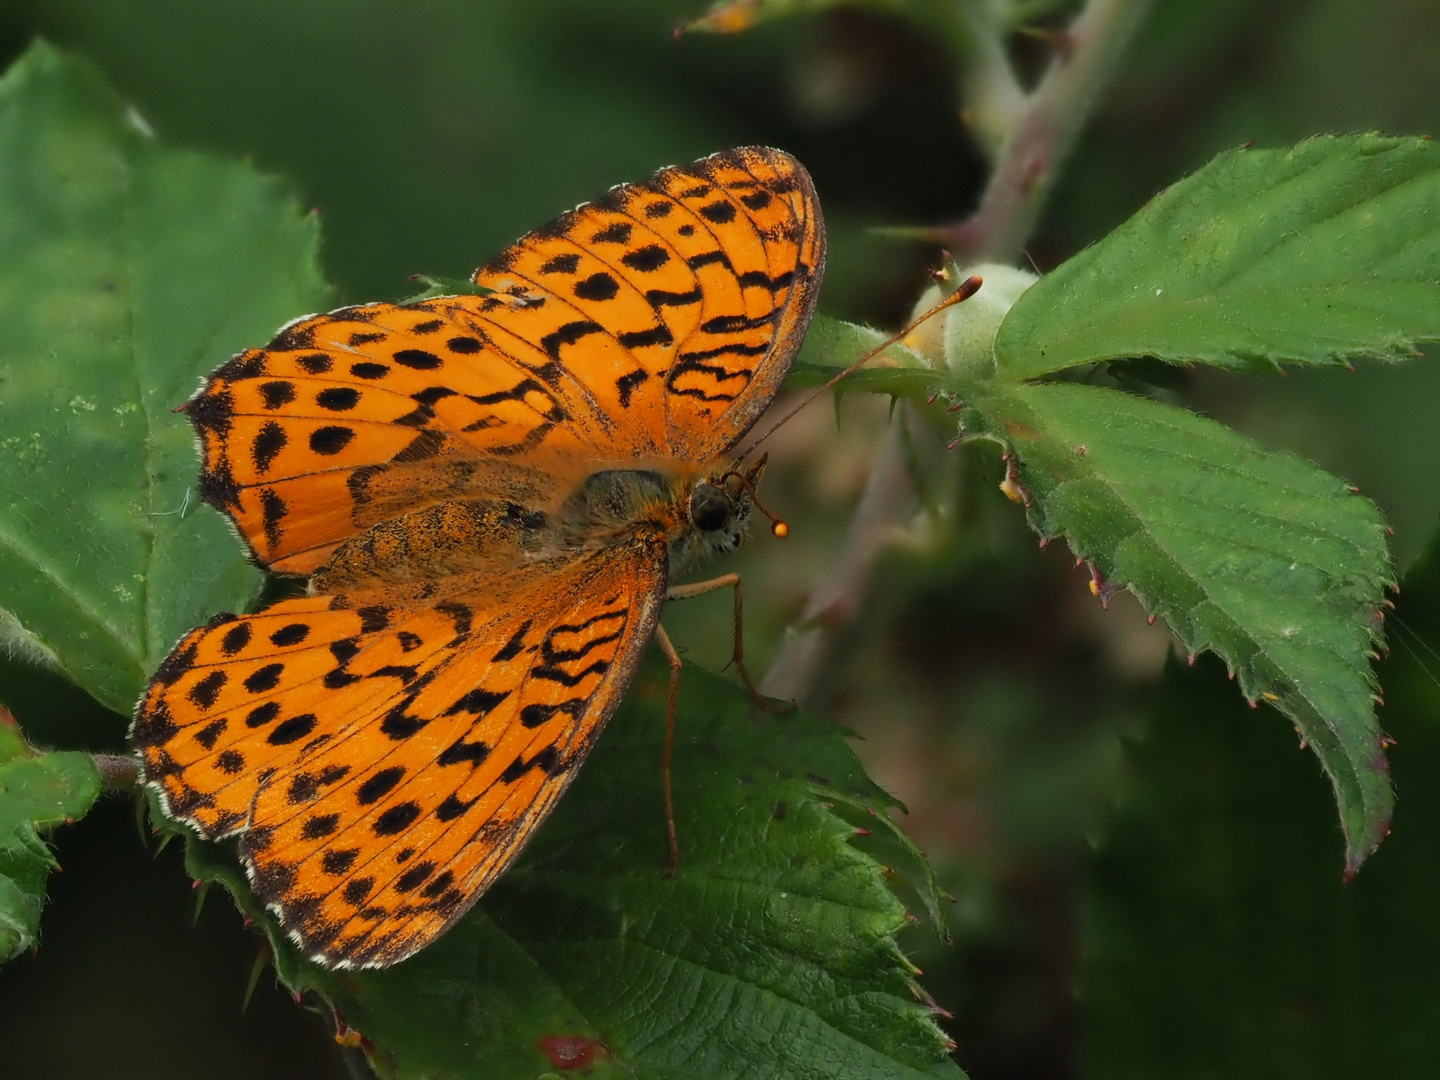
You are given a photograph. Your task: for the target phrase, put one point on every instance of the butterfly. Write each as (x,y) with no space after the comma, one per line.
(489,493)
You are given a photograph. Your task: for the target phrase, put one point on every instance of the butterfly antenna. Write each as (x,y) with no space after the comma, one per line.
(968,288)
(777,527)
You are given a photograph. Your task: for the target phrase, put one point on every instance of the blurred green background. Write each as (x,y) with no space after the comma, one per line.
(994,695)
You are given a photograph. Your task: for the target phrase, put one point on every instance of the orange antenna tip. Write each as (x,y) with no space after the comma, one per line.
(968,288)
(780,529)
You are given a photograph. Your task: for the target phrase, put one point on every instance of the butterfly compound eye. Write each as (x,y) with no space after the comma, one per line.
(709,508)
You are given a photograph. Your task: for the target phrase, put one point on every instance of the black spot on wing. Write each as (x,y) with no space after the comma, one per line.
(331,439)
(379,784)
(511,648)
(204,692)
(561,264)
(625,385)
(453,807)
(617,233)
(646,259)
(399,724)
(424,446)
(658,334)
(568,334)
(431,394)
(293,338)
(478,702)
(210,734)
(320,826)
(245,365)
(338,398)
(272,512)
(276,394)
(291,634)
(598,286)
(726,324)
(262,714)
(212,411)
(292,730)
(267,445)
(658,298)
(414,877)
(460,750)
(418,359)
(546,760)
(337,862)
(759,279)
(533,715)
(396,819)
(374,618)
(709,258)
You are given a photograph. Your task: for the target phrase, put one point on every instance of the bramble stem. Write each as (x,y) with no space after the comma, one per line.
(1043,130)
(889,499)
(1044,134)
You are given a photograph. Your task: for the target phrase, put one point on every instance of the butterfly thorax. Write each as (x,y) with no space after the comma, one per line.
(700,512)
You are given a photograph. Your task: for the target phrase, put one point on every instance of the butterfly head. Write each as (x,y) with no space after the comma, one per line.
(719,508)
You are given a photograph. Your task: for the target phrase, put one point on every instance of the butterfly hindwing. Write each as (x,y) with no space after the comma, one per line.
(416,758)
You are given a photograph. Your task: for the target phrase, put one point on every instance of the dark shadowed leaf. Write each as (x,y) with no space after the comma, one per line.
(770,953)
(37,792)
(1217,939)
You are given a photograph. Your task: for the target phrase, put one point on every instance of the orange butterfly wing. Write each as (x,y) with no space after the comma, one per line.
(387,756)
(657,322)
(387,744)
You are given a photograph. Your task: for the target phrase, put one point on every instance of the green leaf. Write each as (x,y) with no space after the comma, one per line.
(127,272)
(1217,939)
(36,792)
(770,953)
(1317,254)
(444,286)
(1260,557)
(831,345)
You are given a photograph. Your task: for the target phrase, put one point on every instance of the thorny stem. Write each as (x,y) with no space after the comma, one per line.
(1043,131)
(889,499)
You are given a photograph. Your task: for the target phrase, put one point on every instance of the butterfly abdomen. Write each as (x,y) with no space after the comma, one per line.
(460,536)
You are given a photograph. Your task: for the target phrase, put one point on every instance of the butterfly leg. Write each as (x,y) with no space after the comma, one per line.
(737,657)
(668,648)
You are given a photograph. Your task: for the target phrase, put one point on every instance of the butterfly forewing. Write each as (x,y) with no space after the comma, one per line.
(655,323)
(682,294)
